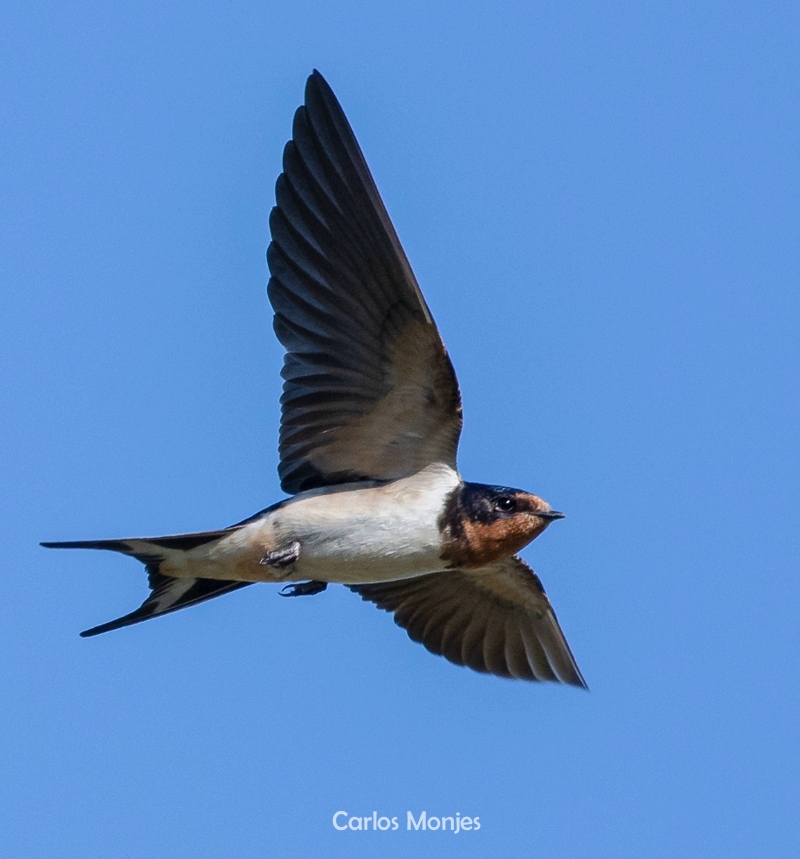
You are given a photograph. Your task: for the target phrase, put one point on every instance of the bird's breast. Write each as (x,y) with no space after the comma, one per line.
(372,534)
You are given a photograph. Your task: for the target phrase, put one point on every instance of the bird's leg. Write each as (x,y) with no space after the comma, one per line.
(303,589)
(280,559)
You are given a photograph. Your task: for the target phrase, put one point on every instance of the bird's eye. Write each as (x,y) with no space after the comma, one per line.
(505,504)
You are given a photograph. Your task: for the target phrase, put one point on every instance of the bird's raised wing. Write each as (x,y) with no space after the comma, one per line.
(369,391)
(496,619)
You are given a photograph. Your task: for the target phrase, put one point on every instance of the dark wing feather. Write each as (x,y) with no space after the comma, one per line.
(369,391)
(496,619)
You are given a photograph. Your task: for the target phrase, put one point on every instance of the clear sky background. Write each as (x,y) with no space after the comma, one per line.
(602,205)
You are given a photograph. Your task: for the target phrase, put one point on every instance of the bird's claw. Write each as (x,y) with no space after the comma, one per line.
(303,589)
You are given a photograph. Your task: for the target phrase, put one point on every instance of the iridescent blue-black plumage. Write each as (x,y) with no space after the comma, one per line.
(370,398)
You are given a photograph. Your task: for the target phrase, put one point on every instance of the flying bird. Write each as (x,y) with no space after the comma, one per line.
(370,424)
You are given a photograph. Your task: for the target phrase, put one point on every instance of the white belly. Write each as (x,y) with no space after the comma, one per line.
(366,535)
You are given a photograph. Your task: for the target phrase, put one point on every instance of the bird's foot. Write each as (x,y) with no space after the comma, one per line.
(281,558)
(303,589)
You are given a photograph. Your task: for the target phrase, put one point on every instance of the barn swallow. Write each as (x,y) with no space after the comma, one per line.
(370,424)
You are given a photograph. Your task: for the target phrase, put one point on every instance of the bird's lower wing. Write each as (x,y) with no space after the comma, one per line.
(496,619)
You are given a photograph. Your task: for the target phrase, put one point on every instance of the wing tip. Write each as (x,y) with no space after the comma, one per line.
(317,79)
(578,682)
(569,674)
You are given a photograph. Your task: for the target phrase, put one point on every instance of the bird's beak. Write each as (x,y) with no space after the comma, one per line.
(550,514)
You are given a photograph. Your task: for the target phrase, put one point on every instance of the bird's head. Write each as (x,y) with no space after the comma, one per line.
(482,524)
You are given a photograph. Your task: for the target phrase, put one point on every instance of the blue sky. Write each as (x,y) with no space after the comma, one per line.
(601,204)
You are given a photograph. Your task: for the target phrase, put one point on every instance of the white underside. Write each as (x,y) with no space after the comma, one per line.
(367,535)
(349,535)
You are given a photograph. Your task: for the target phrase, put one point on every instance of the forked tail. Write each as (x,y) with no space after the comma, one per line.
(168,593)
